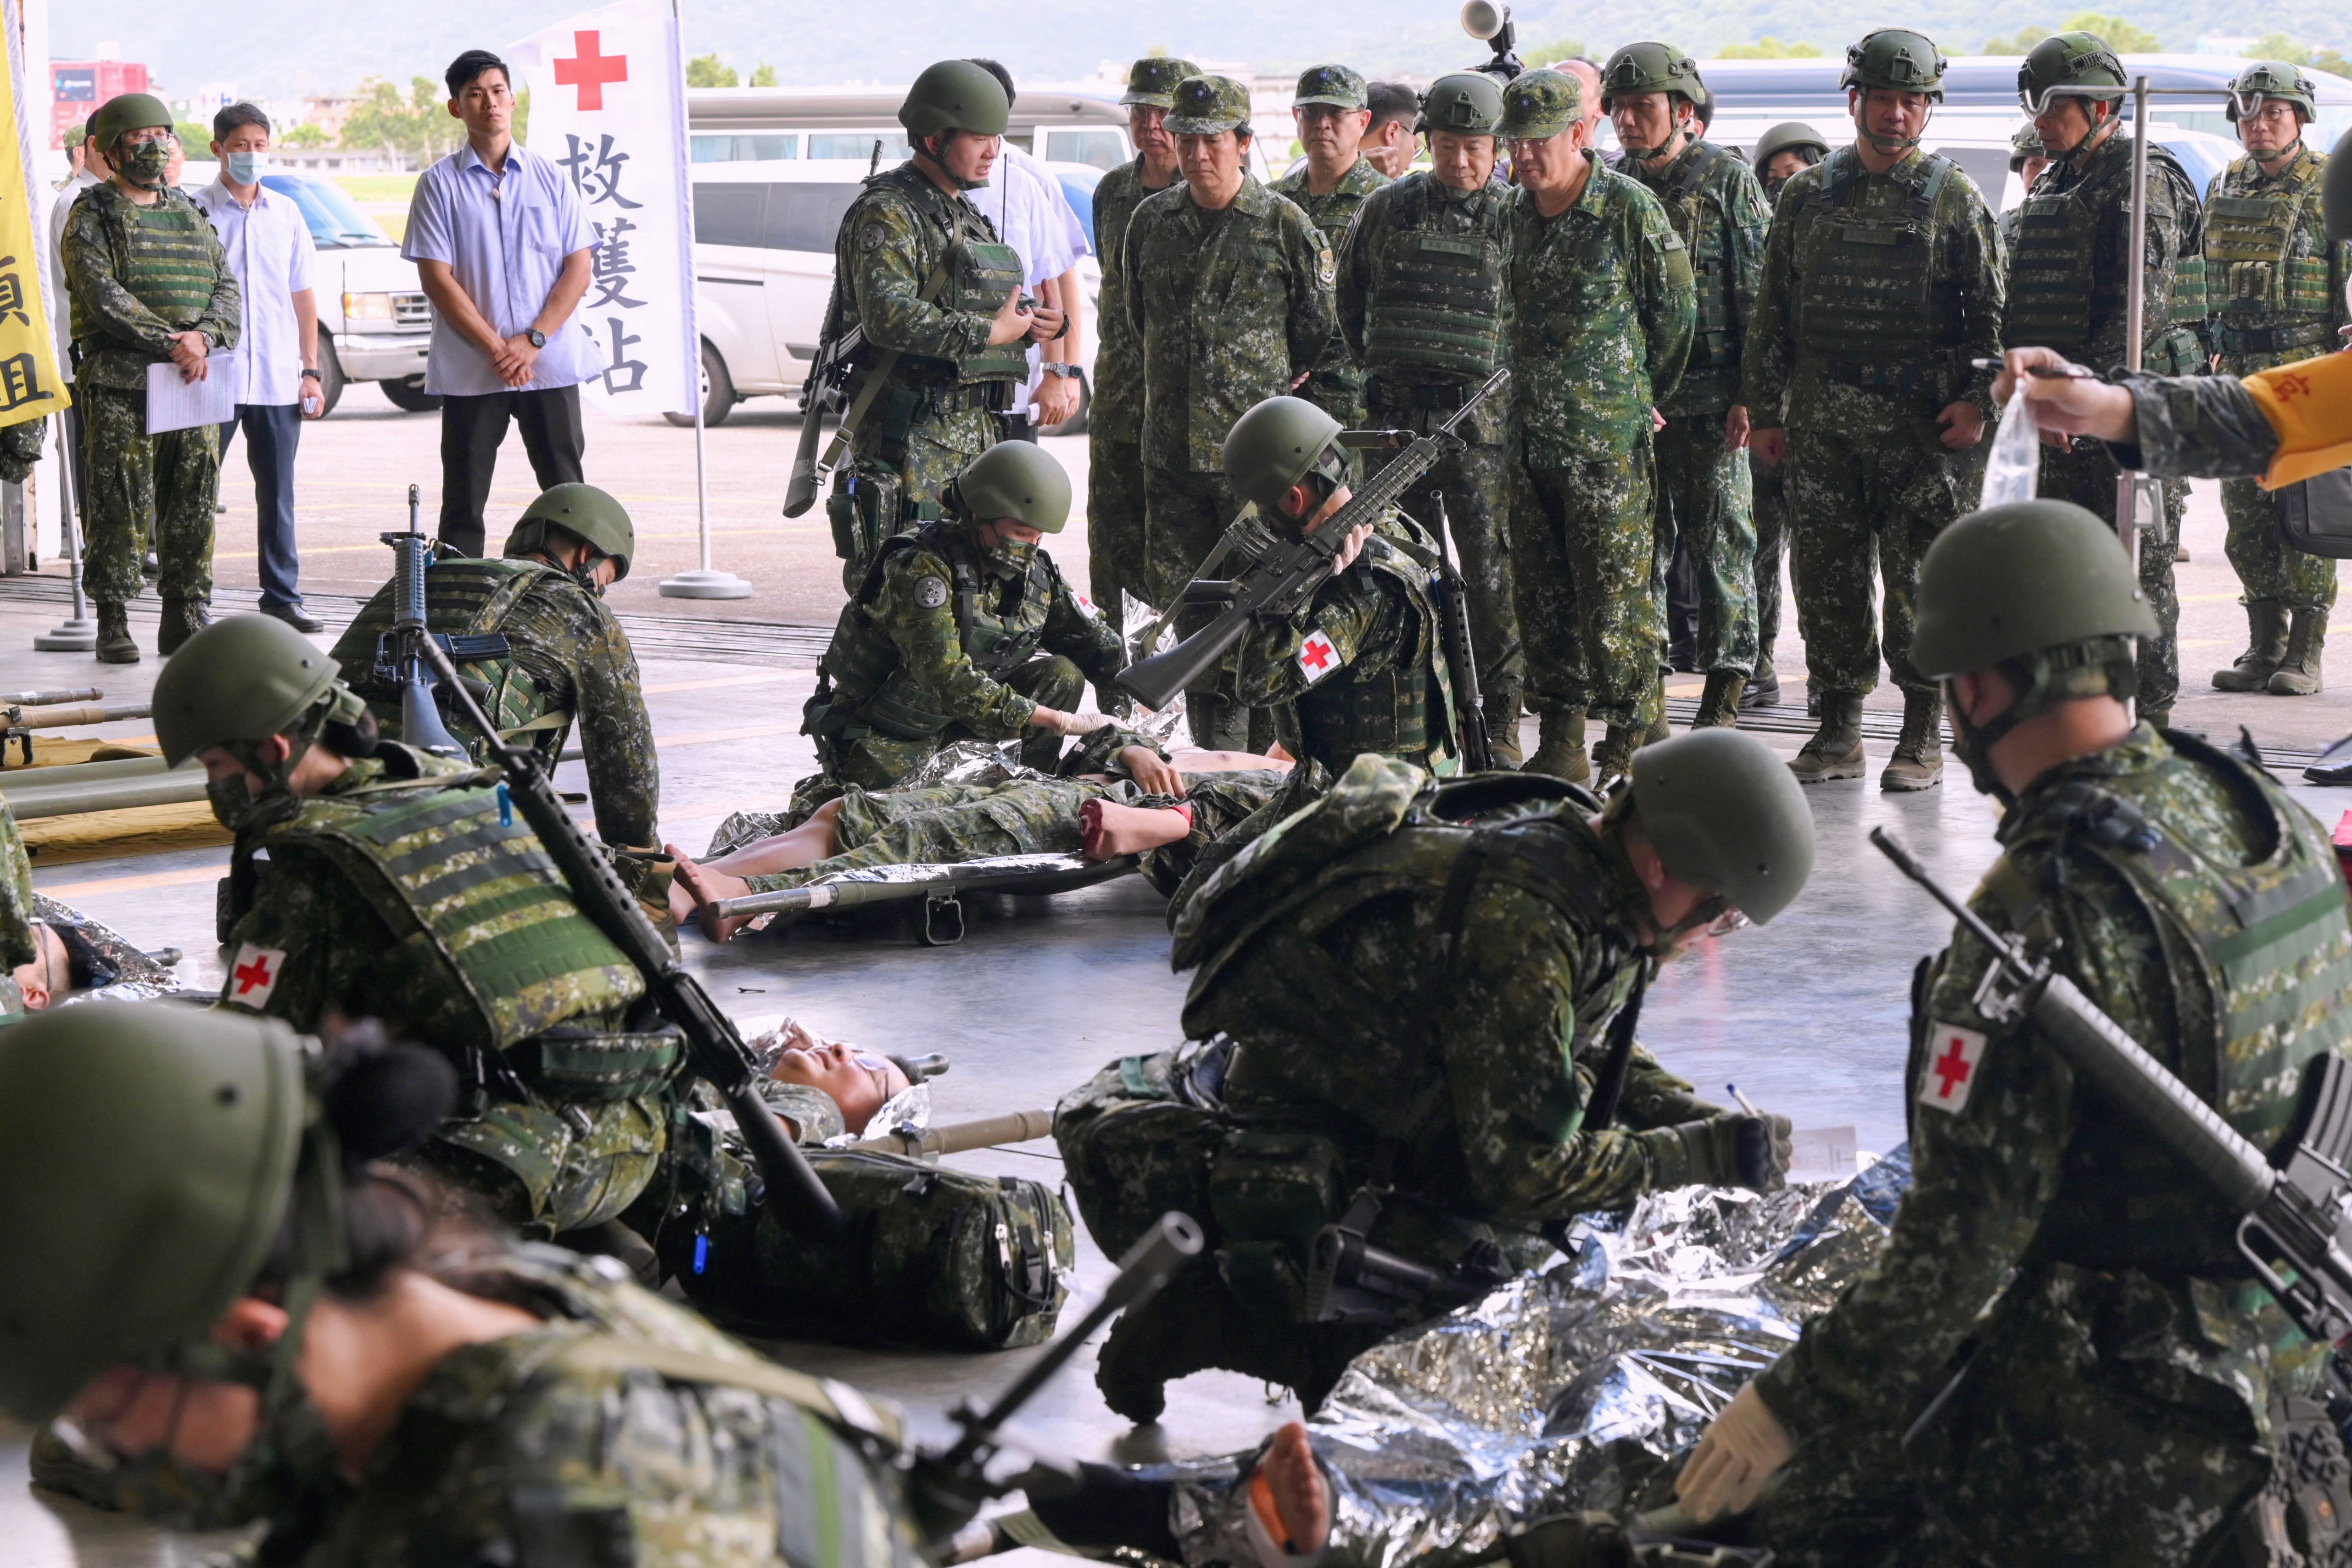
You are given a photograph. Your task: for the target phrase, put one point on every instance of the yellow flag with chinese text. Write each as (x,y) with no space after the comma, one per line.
(29,383)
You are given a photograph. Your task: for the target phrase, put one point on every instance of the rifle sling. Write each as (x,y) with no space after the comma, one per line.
(877,375)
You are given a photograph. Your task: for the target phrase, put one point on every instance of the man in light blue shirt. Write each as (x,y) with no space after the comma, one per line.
(269,250)
(501,240)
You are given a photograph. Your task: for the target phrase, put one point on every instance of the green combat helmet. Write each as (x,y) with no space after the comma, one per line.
(235,683)
(1651,68)
(954,95)
(1727,816)
(2041,588)
(581,510)
(1466,103)
(1334,85)
(1539,105)
(1276,446)
(1789,136)
(1898,59)
(2070,64)
(2270,79)
(1206,105)
(130,111)
(1151,82)
(1015,479)
(2026,144)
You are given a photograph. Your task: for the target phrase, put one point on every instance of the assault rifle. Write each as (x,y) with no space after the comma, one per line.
(948,1486)
(823,391)
(399,656)
(1453,628)
(714,1050)
(1276,584)
(1350,1280)
(2291,1214)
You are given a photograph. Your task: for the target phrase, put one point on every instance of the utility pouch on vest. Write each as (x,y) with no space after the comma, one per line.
(895,410)
(985,272)
(2315,515)
(1139,1138)
(590,1064)
(864,507)
(1271,1192)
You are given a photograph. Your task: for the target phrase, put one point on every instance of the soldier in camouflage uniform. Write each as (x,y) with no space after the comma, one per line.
(2275,285)
(1229,291)
(1882,283)
(1115,539)
(372,880)
(147,283)
(2069,283)
(565,658)
(2102,1379)
(17,944)
(1421,300)
(1363,661)
(1781,153)
(540,1410)
(2027,158)
(1654,94)
(1599,310)
(963,629)
(1329,186)
(920,271)
(1432,987)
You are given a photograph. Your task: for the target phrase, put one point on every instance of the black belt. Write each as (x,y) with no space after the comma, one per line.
(1422,394)
(2229,339)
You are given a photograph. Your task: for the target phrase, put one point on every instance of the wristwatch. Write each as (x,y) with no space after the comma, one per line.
(538,338)
(309,375)
(1056,368)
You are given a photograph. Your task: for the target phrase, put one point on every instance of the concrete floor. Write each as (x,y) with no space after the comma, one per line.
(1807,1015)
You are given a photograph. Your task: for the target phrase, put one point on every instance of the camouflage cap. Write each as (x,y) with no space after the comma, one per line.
(1151,81)
(1205,105)
(1540,104)
(1335,85)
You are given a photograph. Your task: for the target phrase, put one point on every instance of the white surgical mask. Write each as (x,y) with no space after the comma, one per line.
(244,168)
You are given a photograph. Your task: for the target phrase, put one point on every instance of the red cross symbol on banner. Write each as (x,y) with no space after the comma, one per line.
(1951,1067)
(255,974)
(589,70)
(1317,656)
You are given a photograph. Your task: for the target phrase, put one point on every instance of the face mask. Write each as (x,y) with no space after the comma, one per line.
(243,168)
(1012,558)
(143,165)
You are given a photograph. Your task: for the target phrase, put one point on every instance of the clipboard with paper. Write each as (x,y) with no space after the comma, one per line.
(176,404)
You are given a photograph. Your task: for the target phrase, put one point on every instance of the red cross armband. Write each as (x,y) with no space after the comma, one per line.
(1954,1057)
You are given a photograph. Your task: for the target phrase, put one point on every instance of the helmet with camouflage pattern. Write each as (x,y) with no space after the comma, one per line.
(236,683)
(581,510)
(1206,105)
(1466,103)
(2026,144)
(1727,817)
(1789,136)
(1898,59)
(1276,446)
(1651,68)
(2072,64)
(2270,79)
(1334,85)
(955,95)
(1151,82)
(1539,105)
(1015,479)
(130,112)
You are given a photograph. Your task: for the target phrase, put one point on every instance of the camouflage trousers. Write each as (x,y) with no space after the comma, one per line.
(1184,514)
(1863,506)
(1476,483)
(877,762)
(2086,475)
(1583,543)
(140,483)
(1115,560)
(1771,494)
(1704,501)
(2267,567)
(554,1164)
(948,822)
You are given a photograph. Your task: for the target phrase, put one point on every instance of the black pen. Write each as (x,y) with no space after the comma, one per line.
(2047,372)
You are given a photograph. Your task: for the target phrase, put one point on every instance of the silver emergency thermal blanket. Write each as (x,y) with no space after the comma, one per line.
(1569,1389)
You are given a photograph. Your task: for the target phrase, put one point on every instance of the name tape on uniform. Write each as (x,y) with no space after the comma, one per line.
(1953,1055)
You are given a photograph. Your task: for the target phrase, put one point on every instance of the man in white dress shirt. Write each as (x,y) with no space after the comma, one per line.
(269,250)
(1033,216)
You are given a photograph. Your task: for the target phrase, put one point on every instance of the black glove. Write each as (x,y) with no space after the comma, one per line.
(1762,1151)
(1733,1149)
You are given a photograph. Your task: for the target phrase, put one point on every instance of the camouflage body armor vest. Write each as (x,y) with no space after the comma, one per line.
(1436,312)
(2259,962)
(981,272)
(861,685)
(1404,710)
(466,600)
(1712,371)
(1871,308)
(2054,275)
(166,259)
(2267,299)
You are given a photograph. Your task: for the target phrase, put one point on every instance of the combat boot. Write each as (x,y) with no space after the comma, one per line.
(1616,753)
(1763,686)
(183,619)
(1836,750)
(1657,729)
(2157,717)
(1719,706)
(2299,673)
(1918,760)
(1559,746)
(2265,646)
(115,644)
(1503,733)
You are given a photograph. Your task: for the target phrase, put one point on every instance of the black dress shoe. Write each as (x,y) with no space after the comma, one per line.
(294,615)
(1763,690)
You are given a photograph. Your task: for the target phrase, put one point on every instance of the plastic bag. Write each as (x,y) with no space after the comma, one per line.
(2015,465)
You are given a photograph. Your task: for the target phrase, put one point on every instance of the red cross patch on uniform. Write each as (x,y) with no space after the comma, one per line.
(254,975)
(1953,1055)
(1086,605)
(1317,656)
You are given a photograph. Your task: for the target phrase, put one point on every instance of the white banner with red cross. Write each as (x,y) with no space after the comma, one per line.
(608,104)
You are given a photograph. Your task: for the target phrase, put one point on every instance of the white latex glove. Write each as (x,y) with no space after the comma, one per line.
(1079,723)
(1742,1449)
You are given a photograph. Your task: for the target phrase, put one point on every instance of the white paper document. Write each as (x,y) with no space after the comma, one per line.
(176,404)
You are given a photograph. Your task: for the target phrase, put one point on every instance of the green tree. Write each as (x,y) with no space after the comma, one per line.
(706,71)
(304,135)
(2279,46)
(1551,54)
(763,75)
(2124,37)
(193,138)
(1769,48)
(2021,44)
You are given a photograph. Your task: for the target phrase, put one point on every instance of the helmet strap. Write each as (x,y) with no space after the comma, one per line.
(937,161)
(1886,146)
(341,704)
(2101,667)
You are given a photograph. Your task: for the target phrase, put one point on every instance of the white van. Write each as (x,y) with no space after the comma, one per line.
(774,169)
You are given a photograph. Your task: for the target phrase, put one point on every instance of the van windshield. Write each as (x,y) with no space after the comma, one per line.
(333,220)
